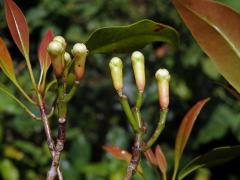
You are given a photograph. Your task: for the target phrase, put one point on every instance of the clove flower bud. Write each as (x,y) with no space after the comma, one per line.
(163,78)
(79,51)
(56,51)
(116,68)
(137,59)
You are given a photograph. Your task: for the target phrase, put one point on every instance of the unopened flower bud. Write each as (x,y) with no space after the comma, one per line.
(55,48)
(139,70)
(79,51)
(56,52)
(163,78)
(61,40)
(67,57)
(116,68)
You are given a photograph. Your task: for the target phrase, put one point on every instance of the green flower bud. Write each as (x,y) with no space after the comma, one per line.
(79,51)
(139,70)
(116,68)
(67,57)
(163,77)
(61,40)
(56,52)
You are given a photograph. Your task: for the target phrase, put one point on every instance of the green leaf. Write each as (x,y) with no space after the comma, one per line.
(8,171)
(124,39)
(6,62)
(214,157)
(185,130)
(7,92)
(216,34)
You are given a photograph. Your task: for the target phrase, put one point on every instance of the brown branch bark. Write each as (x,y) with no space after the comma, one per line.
(48,134)
(136,156)
(58,149)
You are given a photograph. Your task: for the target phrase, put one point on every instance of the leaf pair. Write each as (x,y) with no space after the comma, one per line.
(157,159)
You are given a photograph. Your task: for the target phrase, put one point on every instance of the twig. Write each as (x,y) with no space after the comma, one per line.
(62,113)
(136,155)
(48,133)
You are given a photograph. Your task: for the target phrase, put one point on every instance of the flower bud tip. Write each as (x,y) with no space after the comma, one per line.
(79,49)
(55,48)
(61,40)
(162,74)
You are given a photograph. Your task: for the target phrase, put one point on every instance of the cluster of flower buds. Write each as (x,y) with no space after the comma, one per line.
(137,59)
(60,59)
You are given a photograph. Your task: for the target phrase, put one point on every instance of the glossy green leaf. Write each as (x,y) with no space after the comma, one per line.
(214,157)
(185,130)
(6,62)
(17,25)
(216,34)
(124,39)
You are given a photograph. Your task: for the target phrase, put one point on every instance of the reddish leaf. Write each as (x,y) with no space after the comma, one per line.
(121,155)
(150,157)
(17,25)
(186,128)
(44,58)
(161,160)
(216,29)
(118,153)
(6,61)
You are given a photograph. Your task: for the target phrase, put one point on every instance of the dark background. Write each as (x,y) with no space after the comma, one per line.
(95,116)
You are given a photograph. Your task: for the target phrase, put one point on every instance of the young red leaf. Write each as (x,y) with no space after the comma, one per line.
(216,29)
(17,25)
(118,153)
(121,155)
(161,160)
(186,128)
(150,157)
(44,58)
(6,61)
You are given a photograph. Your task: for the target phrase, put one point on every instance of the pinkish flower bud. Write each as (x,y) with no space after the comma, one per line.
(139,70)
(79,51)
(116,68)
(163,78)
(56,52)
